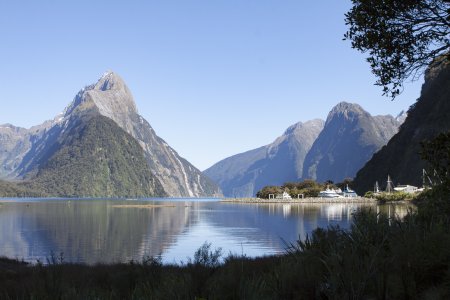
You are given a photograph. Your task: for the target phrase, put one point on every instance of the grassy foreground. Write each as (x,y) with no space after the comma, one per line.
(378,258)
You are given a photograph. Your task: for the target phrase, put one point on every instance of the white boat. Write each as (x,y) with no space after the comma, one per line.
(349,193)
(329,193)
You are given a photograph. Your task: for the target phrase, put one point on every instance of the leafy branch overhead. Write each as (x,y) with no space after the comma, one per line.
(402,37)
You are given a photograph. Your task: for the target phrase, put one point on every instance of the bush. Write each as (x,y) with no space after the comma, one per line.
(395,196)
(207,258)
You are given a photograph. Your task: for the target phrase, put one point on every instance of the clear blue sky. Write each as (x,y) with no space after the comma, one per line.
(214,78)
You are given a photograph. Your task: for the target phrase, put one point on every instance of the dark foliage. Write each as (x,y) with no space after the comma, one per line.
(401,37)
(427,118)
(437,153)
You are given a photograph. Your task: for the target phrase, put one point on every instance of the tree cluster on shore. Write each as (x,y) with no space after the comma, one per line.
(19,190)
(307,188)
(385,197)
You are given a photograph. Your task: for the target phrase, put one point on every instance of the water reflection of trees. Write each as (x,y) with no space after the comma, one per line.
(398,210)
(95,231)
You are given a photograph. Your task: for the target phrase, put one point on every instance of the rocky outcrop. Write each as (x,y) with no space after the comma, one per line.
(244,174)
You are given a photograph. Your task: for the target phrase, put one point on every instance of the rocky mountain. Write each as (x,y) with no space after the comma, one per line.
(348,140)
(29,153)
(96,158)
(242,175)
(15,142)
(428,117)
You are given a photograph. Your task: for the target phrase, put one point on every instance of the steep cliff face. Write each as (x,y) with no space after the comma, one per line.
(244,174)
(13,144)
(111,98)
(348,140)
(428,117)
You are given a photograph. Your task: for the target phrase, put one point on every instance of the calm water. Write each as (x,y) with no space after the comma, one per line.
(92,231)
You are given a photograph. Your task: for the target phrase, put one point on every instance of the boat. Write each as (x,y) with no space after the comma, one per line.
(329,193)
(349,193)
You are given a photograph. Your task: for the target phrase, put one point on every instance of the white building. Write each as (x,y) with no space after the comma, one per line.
(406,188)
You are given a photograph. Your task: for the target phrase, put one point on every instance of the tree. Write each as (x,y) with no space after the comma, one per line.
(308,184)
(402,37)
(434,203)
(346,182)
(437,153)
(268,190)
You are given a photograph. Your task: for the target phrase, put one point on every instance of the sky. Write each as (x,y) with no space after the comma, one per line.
(214,78)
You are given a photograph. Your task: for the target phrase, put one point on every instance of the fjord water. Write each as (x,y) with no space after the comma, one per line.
(107,231)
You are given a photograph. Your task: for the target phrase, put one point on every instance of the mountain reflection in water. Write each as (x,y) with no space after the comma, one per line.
(97,231)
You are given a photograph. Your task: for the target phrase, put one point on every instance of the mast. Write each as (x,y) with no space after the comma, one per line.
(389,185)
(376,188)
(423,178)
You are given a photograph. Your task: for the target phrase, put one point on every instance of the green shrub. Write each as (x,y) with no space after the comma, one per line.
(392,197)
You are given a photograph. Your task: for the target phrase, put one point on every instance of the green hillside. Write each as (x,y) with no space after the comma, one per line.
(96,158)
(14,189)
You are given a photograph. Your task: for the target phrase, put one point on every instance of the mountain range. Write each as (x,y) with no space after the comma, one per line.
(330,150)
(348,140)
(99,146)
(242,175)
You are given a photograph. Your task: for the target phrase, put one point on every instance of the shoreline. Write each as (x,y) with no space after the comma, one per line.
(299,201)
